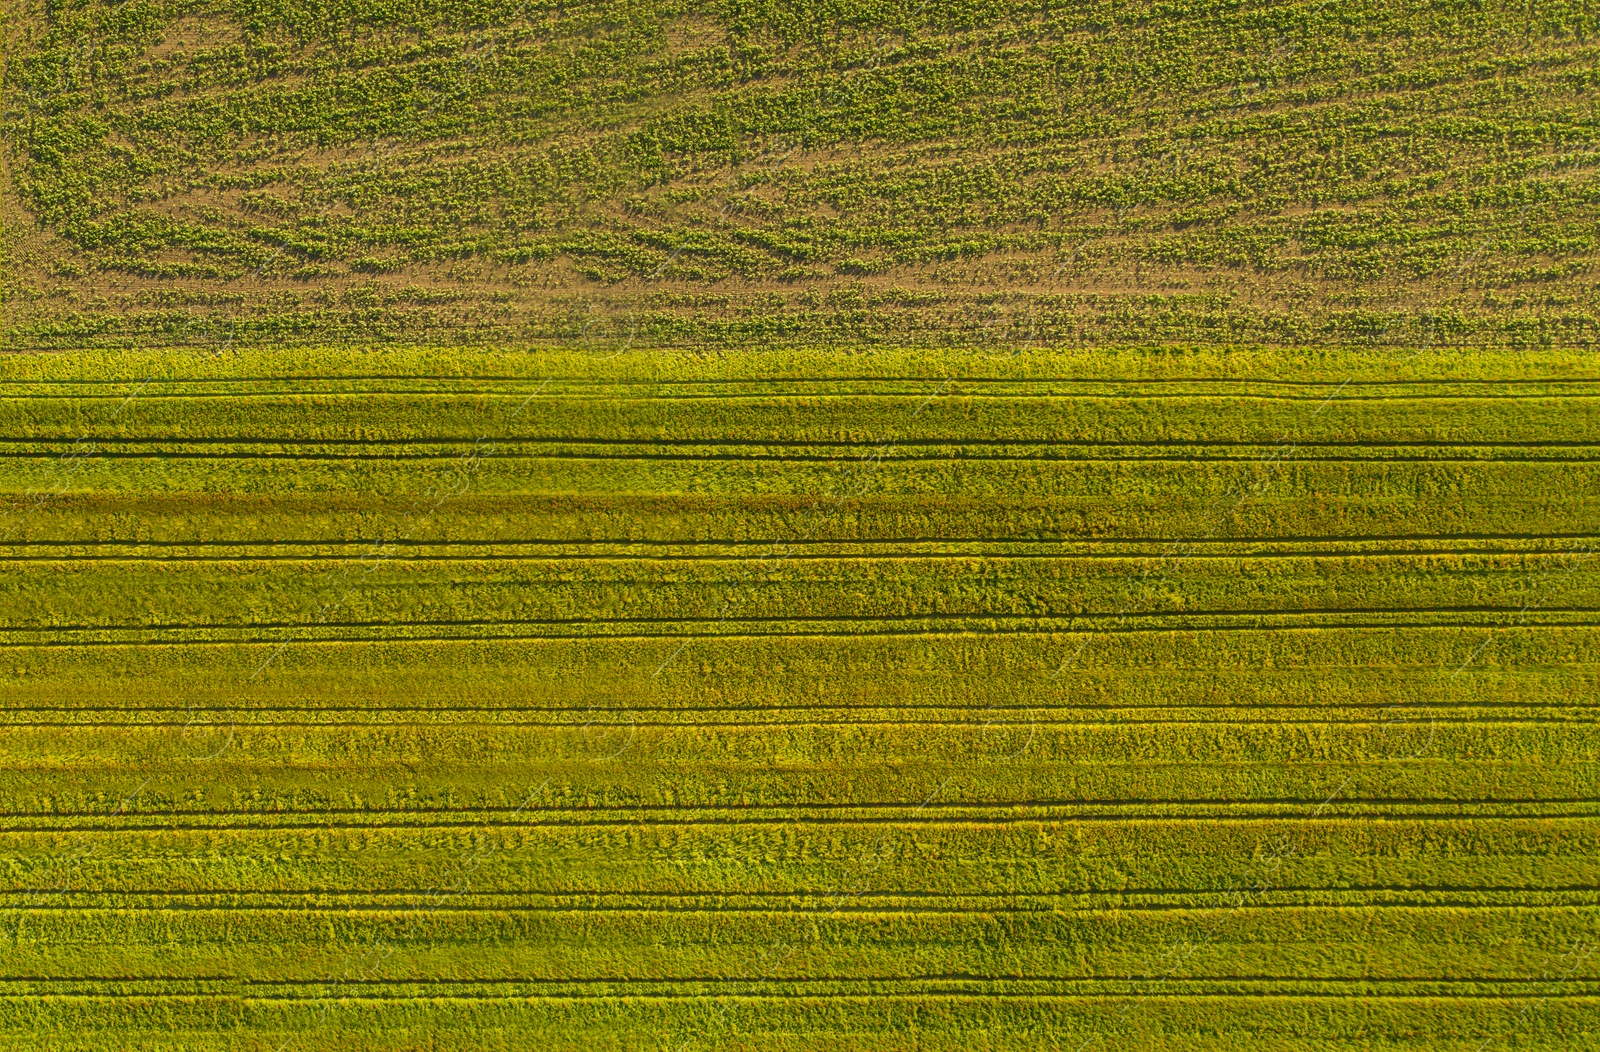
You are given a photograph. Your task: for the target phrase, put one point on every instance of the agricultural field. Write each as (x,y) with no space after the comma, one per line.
(1197,700)
(786,173)
(798,526)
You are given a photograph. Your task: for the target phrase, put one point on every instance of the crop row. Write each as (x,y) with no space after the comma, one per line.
(1184,369)
(838,671)
(1543,1022)
(163,591)
(980,765)
(858,424)
(1271,943)
(896,854)
(1169,527)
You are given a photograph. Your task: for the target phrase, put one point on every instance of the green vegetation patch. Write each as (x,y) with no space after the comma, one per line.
(779,172)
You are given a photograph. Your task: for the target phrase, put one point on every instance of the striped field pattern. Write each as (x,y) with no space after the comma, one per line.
(440,700)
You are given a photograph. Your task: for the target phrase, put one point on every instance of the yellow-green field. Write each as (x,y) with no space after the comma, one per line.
(1183,699)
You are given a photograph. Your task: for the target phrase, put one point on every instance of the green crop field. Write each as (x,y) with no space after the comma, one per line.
(802,173)
(799,526)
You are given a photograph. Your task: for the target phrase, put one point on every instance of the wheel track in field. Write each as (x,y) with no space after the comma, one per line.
(979,615)
(454,443)
(970,724)
(453,453)
(915,383)
(1036,985)
(816,391)
(1109,991)
(1070,549)
(479,378)
(1293,804)
(1273,819)
(1134,898)
(948,626)
(1224,542)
